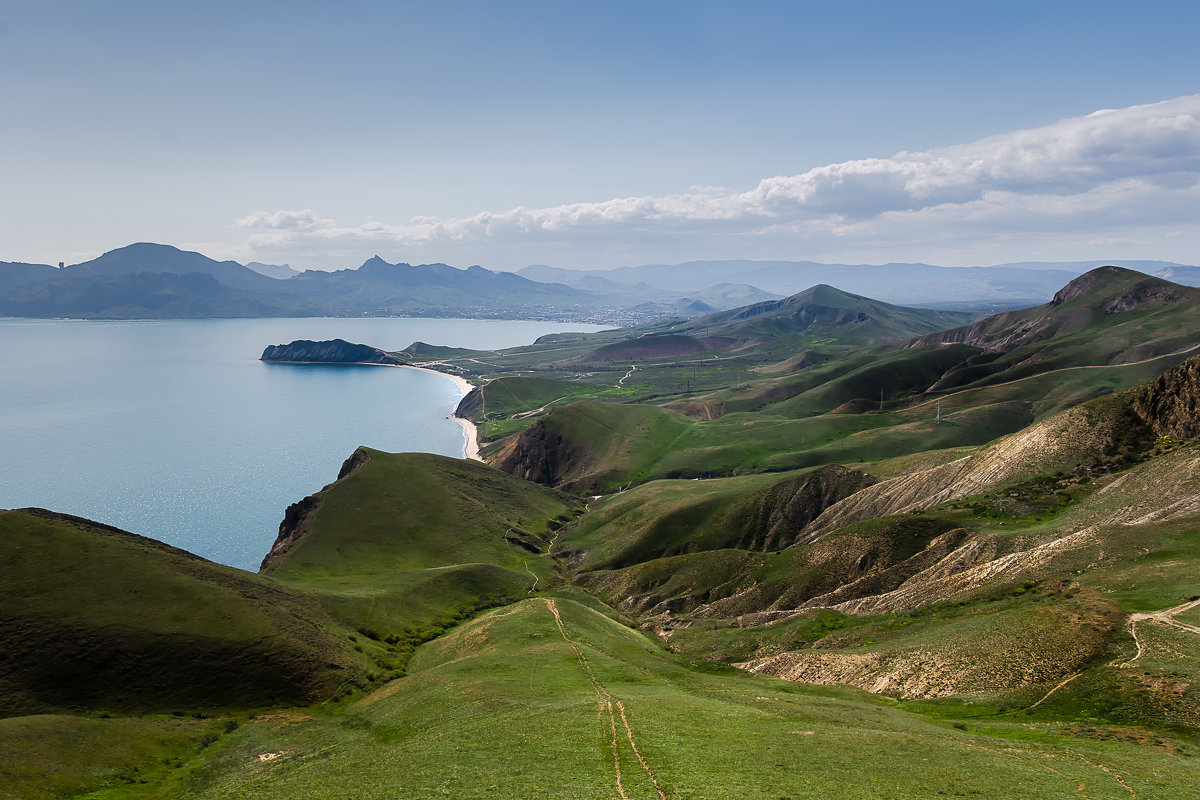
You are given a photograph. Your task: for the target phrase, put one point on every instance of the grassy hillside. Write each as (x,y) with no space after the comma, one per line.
(1081,529)
(99,618)
(1108,330)
(673,360)
(551,697)
(413,540)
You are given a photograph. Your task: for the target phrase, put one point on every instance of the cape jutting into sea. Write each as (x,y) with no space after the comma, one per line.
(175,430)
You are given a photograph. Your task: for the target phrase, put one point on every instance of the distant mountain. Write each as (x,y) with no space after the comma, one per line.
(159,281)
(1006,286)
(1176,273)
(823,308)
(1080,267)
(148,280)
(380,288)
(278,271)
(161,258)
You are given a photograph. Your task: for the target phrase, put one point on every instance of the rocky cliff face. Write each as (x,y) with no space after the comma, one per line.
(1170,404)
(334,351)
(471,406)
(540,456)
(780,513)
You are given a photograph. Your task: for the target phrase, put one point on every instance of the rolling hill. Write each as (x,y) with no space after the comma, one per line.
(714,564)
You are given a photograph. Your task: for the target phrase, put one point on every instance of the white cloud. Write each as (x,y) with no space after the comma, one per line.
(1115,167)
(306,220)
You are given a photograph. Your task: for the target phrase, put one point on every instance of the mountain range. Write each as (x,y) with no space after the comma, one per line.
(159,281)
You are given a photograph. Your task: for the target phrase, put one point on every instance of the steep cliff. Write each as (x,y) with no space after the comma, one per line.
(1170,404)
(297,519)
(472,405)
(540,455)
(775,517)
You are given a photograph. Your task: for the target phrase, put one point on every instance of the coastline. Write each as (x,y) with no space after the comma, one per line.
(470,432)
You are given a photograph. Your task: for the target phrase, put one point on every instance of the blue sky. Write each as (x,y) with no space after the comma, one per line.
(600,134)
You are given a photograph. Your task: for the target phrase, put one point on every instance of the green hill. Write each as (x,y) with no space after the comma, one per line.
(95,617)
(402,542)
(552,697)
(824,310)
(1107,330)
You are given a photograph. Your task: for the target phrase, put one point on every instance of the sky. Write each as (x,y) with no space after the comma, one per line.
(585,134)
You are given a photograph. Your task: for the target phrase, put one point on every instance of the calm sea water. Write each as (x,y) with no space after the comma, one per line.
(173,429)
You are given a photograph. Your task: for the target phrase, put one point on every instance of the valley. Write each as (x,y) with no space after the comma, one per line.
(812,545)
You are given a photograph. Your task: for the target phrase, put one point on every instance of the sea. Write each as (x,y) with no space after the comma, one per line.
(173,429)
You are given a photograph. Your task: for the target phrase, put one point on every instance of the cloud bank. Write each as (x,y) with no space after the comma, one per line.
(1116,176)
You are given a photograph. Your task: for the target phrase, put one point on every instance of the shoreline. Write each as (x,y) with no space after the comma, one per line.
(470,431)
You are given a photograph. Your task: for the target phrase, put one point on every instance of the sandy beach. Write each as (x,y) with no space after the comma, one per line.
(470,432)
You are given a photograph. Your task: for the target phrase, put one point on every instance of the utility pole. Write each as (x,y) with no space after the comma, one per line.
(881,401)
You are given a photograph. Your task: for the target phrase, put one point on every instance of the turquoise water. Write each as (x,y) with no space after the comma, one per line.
(173,429)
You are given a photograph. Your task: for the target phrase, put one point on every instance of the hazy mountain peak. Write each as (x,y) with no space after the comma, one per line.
(278,271)
(375,262)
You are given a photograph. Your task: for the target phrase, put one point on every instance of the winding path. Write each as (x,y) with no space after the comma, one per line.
(606,702)
(1166,617)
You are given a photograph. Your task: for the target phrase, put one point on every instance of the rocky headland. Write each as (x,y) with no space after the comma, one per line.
(334,351)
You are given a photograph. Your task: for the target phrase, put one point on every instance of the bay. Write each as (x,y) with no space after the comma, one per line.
(173,429)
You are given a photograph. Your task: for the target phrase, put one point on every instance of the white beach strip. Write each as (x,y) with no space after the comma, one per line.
(470,432)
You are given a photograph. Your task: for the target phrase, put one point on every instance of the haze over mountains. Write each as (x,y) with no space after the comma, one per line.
(998,287)
(160,281)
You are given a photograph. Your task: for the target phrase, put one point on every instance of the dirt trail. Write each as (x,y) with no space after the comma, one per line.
(536,580)
(606,702)
(1165,617)
(632,367)
(527,414)
(1058,686)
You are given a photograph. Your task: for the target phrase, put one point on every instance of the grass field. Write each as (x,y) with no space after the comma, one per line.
(520,704)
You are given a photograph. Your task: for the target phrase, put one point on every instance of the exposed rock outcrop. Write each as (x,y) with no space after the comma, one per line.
(1063,440)
(296,525)
(1170,404)
(778,514)
(538,455)
(1007,658)
(333,351)
(359,457)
